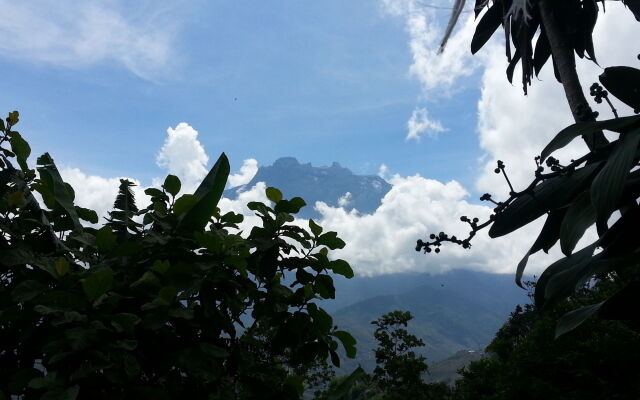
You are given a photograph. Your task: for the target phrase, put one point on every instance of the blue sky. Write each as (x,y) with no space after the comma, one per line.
(111,87)
(322,81)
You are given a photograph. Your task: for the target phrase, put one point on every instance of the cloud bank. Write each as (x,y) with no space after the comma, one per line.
(82,34)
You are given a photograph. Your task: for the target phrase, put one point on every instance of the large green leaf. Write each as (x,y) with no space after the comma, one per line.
(566,136)
(549,195)
(51,177)
(21,149)
(343,389)
(546,239)
(624,83)
(573,319)
(97,283)
(207,197)
(580,216)
(540,295)
(608,185)
(347,341)
(172,184)
(488,24)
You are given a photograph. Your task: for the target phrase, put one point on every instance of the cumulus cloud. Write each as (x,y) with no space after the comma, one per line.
(419,124)
(514,128)
(247,172)
(98,193)
(425,30)
(384,242)
(345,200)
(183,155)
(81,34)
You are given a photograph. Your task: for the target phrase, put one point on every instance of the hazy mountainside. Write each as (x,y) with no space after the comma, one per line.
(326,184)
(447,370)
(459,310)
(456,311)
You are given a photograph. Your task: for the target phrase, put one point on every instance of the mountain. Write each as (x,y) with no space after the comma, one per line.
(326,184)
(456,311)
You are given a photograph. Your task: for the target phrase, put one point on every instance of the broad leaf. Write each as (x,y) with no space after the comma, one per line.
(172,185)
(580,216)
(573,319)
(487,26)
(624,83)
(49,174)
(549,195)
(207,196)
(608,185)
(273,194)
(347,341)
(546,239)
(97,283)
(566,136)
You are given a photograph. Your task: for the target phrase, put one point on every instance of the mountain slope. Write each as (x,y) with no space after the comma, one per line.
(326,184)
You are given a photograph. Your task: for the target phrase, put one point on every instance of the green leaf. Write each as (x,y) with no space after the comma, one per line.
(343,389)
(87,215)
(348,342)
(49,173)
(575,318)
(21,149)
(324,287)
(331,240)
(172,185)
(290,206)
(608,185)
(13,118)
(125,322)
(541,296)
(27,290)
(315,228)
(153,192)
(549,195)
(488,24)
(321,319)
(546,239)
(207,195)
(62,266)
(97,283)
(184,203)
(62,394)
(105,239)
(624,83)
(214,351)
(296,384)
(565,136)
(341,267)
(580,216)
(273,194)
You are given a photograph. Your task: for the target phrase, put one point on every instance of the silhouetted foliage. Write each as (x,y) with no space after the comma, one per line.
(587,191)
(171,301)
(526,361)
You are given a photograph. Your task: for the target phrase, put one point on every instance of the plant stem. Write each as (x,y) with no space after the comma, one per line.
(565,62)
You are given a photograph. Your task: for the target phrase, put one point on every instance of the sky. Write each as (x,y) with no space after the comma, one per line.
(140,89)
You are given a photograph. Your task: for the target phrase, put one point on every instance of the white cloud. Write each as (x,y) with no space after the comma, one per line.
(383,172)
(384,242)
(183,155)
(419,124)
(515,128)
(82,34)
(345,200)
(98,193)
(247,172)
(433,70)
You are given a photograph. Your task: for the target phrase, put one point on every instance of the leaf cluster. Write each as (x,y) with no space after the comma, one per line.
(600,189)
(169,301)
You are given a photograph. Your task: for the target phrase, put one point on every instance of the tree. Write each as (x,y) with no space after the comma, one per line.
(171,301)
(583,192)
(399,370)
(564,29)
(526,361)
